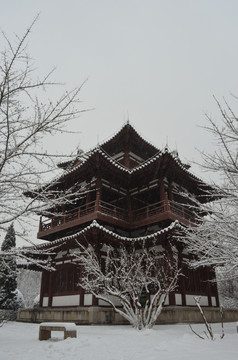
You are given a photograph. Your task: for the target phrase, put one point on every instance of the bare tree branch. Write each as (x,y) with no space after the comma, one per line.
(134,280)
(214,240)
(25,119)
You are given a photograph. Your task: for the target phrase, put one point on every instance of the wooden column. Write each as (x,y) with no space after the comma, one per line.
(98,196)
(50,288)
(42,286)
(162,190)
(209,276)
(94,301)
(96,242)
(169,252)
(170,191)
(181,278)
(98,186)
(81,293)
(166,203)
(88,198)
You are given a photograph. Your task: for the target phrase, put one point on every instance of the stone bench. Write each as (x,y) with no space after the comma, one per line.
(45,329)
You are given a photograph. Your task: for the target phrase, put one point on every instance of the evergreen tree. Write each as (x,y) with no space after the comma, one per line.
(8,273)
(10,239)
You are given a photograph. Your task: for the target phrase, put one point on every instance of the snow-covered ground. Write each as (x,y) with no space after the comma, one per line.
(175,342)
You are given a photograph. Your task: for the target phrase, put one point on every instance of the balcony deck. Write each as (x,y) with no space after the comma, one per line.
(160,211)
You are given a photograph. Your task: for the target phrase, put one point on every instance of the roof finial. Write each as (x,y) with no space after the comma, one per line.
(175,152)
(127,121)
(166,146)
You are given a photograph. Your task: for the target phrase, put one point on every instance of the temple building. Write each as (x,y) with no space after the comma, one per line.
(127,189)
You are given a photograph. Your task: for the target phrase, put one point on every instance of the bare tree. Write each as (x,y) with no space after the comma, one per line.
(25,119)
(209,333)
(134,281)
(215,239)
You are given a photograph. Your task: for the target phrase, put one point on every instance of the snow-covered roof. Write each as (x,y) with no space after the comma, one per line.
(145,164)
(79,163)
(132,129)
(94,224)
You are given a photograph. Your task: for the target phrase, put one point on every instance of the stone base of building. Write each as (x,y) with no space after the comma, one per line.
(103,315)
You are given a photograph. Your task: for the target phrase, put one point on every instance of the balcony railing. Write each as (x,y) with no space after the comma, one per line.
(161,207)
(154,212)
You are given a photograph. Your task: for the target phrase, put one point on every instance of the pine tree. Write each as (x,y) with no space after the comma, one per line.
(8,273)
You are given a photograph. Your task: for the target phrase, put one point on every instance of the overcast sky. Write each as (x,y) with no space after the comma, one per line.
(158,62)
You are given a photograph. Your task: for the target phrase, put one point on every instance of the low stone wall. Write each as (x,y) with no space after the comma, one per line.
(104,315)
(79,315)
(186,314)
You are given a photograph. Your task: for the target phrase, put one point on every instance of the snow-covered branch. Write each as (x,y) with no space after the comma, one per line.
(134,280)
(25,119)
(214,240)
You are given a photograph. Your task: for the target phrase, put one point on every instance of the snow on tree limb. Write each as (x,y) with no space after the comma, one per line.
(25,119)
(138,278)
(214,240)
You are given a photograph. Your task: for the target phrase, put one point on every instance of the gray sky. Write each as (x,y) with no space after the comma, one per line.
(157,62)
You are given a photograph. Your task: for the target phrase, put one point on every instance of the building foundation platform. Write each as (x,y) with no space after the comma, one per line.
(105,315)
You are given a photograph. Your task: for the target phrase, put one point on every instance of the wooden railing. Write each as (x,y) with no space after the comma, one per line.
(117,213)
(155,209)
(181,210)
(149,211)
(113,211)
(82,211)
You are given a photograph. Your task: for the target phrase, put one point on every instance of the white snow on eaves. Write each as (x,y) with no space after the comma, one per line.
(123,168)
(180,164)
(113,162)
(95,224)
(106,156)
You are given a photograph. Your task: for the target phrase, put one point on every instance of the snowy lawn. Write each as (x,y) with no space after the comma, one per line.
(175,342)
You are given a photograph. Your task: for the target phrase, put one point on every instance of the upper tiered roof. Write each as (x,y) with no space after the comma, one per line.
(128,154)
(129,157)
(127,140)
(121,146)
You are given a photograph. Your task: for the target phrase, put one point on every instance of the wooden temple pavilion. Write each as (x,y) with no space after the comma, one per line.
(132,190)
